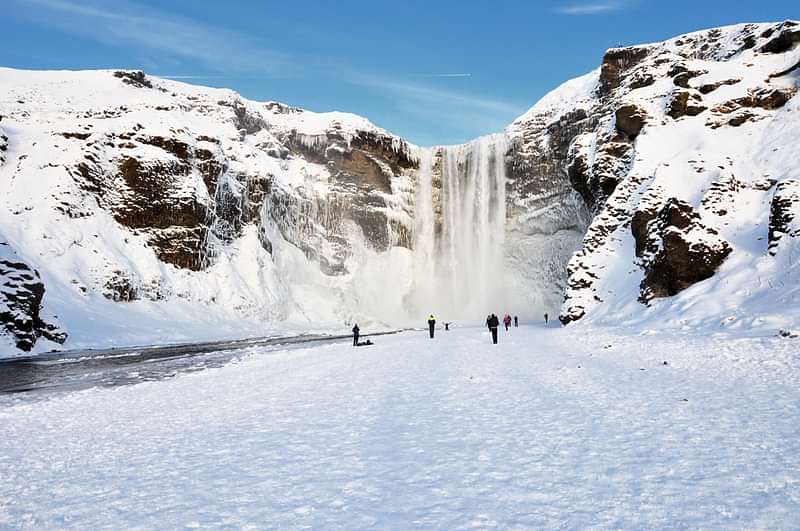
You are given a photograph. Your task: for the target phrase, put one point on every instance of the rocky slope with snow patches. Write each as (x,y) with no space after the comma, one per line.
(142,200)
(154,211)
(662,186)
(685,152)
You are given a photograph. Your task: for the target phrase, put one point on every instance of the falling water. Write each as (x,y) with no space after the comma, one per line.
(460,230)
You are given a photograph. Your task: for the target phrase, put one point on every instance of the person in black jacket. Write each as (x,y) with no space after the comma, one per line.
(356,330)
(493,323)
(431,324)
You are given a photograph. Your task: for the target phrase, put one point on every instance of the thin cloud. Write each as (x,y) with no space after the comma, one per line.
(442,97)
(446,75)
(465,114)
(130,23)
(593,8)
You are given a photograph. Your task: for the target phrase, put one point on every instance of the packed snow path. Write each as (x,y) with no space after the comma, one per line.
(550,428)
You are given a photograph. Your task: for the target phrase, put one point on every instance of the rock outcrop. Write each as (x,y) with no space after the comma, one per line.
(675,249)
(784,213)
(21,293)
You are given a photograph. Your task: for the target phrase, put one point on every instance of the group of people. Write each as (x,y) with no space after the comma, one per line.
(492,323)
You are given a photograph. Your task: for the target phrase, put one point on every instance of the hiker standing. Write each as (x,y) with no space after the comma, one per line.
(493,323)
(356,330)
(546,318)
(516,321)
(507,321)
(431,324)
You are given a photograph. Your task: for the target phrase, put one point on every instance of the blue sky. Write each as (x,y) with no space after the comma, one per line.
(436,72)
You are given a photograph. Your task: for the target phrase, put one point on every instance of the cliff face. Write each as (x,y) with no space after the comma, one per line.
(131,193)
(139,209)
(681,152)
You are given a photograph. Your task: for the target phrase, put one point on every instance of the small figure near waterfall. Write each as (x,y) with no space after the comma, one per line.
(516,322)
(493,323)
(356,330)
(507,321)
(431,324)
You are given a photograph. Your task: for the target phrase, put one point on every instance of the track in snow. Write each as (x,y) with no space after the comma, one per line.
(551,428)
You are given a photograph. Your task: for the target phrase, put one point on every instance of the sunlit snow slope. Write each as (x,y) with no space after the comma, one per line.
(686,153)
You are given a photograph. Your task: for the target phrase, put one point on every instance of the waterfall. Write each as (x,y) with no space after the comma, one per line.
(460,230)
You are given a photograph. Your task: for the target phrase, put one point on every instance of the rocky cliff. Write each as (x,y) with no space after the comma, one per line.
(661,186)
(148,205)
(682,152)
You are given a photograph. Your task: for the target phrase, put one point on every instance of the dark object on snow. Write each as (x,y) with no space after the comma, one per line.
(365,343)
(431,324)
(493,323)
(447,327)
(507,321)
(546,318)
(665,363)
(516,321)
(356,330)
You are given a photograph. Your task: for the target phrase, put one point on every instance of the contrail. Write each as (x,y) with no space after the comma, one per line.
(446,75)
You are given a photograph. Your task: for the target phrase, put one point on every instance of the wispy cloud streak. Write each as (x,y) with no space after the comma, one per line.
(441,97)
(592,8)
(129,23)
(446,75)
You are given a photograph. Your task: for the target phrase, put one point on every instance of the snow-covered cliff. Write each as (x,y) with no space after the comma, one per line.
(662,186)
(686,153)
(152,211)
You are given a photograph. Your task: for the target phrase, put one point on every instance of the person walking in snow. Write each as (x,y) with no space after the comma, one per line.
(488,320)
(507,321)
(431,324)
(546,318)
(356,330)
(493,323)
(516,321)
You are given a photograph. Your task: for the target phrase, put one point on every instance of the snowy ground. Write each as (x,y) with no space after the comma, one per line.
(551,428)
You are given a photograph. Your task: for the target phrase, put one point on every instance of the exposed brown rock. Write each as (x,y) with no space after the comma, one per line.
(786,40)
(135,78)
(616,62)
(711,87)
(676,249)
(21,294)
(767,99)
(682,79)
(630,120)
(784,210)
(685,103)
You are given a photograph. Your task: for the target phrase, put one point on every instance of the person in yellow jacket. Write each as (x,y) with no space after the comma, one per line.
(431,324)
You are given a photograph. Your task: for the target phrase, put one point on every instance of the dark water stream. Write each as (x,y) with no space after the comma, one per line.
(76,370)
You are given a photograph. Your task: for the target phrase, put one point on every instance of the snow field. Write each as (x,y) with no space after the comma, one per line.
(551,428)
